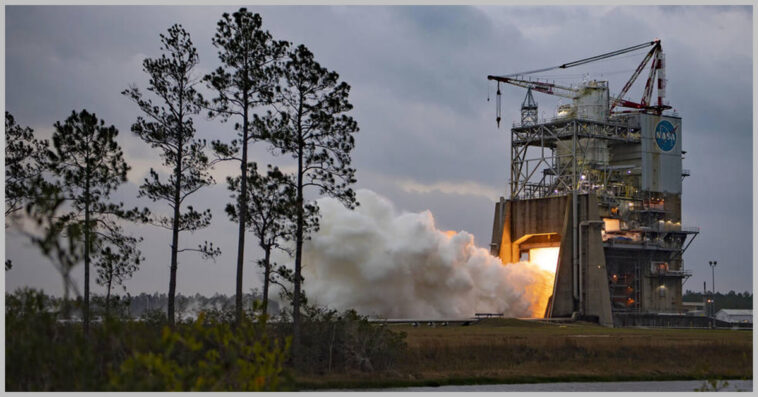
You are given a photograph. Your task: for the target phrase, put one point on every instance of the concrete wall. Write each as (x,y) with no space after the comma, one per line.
(596,296)
(549,221)
(525,218)
(563,303)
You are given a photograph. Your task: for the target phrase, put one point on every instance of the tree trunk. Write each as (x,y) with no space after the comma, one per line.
(298,269)
(85,309)
(266,276)
(175,223)
(65,313)
(243,214)
(298,243)
(174,260)
(108,298)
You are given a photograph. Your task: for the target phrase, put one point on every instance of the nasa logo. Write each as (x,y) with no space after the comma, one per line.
(665,135)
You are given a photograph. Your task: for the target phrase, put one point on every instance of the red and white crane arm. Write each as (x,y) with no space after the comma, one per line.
(657,69)
(619,100)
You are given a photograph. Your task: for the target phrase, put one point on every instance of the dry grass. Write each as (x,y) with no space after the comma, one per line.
(526,351)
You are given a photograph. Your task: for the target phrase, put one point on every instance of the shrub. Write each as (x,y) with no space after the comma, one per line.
(45,353)
(40,352)
(207,355)
(345,342)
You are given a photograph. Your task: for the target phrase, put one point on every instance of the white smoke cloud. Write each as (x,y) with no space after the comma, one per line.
(401,266)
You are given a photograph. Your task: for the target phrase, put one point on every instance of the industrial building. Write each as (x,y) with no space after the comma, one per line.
(602,182)
(732,316)
(694,308)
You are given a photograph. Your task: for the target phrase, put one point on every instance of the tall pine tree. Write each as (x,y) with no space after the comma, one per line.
(244,80)
(89,165)
(314,130)
(169,127)
(24,166)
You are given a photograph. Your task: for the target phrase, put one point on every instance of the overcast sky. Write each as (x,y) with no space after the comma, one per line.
(427,137)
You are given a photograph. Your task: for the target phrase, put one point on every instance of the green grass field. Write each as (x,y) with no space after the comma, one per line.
(515,351)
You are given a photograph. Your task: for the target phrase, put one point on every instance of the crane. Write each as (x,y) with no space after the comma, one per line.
(657,68)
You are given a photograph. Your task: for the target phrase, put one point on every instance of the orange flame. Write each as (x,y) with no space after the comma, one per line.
(547,260)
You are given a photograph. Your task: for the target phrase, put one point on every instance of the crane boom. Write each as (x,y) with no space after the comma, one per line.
(654,67)
(540,86)
(636,74)
(657,68)
(609,54)
(583,61)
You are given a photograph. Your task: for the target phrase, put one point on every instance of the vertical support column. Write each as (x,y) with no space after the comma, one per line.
(580,248)
(575,215)
(513,179)
(563,303)
(497,228)
(594,293)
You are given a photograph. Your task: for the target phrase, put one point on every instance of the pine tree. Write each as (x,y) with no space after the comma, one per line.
(271,206)
(243,82)
(169,127)
(117,262)
(24,167)
(312,128)
(88,165)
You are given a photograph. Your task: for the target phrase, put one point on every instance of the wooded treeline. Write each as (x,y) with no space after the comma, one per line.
(263,91)
(729,300)
(154,305)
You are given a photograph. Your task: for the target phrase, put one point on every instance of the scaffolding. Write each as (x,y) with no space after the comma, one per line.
(571,154)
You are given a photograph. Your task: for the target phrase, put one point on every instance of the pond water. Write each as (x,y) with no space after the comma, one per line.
(662,386)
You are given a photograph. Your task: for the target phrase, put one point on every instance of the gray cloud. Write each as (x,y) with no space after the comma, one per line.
(419,90)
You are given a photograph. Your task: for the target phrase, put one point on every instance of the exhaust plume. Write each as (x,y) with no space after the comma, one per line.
(391,265)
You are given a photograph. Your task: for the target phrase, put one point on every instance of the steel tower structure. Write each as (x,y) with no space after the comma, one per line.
(615,169)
